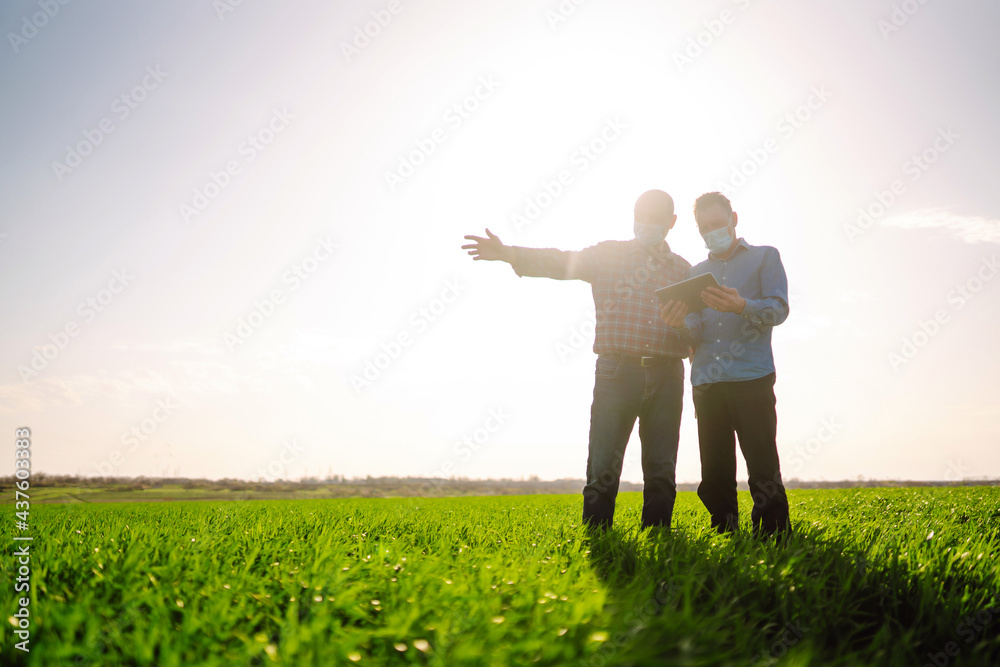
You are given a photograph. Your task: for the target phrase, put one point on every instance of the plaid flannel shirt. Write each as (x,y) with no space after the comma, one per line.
(623,276)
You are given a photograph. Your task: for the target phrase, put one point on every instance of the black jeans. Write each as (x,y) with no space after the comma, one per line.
(725,410)
(623,393)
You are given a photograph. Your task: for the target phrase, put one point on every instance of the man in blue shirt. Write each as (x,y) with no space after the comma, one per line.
(732,374)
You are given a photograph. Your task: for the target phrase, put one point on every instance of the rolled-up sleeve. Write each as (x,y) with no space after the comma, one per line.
(557,264)
(772,308)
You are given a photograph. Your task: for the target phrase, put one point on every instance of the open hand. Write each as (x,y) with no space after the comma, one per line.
(490,248)
(673,313)
(723,299)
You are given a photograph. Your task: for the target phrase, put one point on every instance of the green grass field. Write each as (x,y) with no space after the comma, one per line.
(875,576)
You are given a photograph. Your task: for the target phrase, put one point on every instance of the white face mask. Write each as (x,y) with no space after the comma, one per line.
(719,240)
(649,235)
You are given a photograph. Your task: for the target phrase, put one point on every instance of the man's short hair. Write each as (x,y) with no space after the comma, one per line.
(655,204)
(710,199)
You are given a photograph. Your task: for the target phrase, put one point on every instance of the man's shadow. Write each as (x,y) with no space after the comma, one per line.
(815,594)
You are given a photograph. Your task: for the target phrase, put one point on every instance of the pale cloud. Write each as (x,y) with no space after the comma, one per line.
(971,229)
(68,391)
(307,356)
(128,387)
(314,350)
(198,344)
(811,326)
(213,377)
(805,326)
(853,296)
(148,380)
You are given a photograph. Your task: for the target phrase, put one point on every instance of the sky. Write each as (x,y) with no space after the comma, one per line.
(231,234)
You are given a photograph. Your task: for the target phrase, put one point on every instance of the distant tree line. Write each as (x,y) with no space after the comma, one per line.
(368,486)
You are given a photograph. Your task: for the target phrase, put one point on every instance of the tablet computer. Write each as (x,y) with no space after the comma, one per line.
(688,291)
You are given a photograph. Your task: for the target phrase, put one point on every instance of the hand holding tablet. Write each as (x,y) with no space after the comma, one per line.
(688,292)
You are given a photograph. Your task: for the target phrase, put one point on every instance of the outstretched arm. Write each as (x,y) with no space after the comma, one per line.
(538,262)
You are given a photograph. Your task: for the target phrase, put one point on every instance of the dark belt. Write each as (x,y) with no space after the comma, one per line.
(636,360)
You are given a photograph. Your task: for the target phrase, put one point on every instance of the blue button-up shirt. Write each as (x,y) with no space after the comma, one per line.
(731,347)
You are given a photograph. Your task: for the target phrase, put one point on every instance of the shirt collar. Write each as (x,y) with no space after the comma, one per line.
(739,244)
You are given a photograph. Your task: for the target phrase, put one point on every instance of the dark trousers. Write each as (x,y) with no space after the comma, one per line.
(745,409)
(622,394)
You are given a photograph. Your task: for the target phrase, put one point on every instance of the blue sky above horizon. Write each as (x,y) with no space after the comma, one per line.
(236,180)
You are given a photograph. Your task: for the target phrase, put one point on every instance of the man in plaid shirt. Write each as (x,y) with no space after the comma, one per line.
(639,371)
